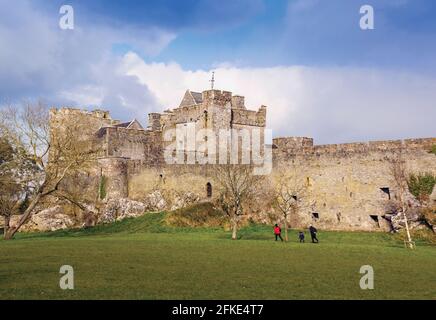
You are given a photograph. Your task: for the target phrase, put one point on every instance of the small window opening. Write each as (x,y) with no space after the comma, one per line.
(315,215)
(209,190)
(375,219)
(387,191)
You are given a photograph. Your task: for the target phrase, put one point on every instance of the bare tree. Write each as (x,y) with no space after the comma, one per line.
(53,152)
(14,175)
(237,187)
(290,193)
(8,204)
(398,172)
(7,185)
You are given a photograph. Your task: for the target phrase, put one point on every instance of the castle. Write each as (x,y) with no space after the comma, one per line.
(349,183)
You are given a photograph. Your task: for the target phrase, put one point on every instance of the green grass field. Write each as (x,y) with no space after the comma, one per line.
(144,259)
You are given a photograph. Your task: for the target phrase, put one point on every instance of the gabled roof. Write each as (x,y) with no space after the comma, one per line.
(122,125)
(198,97)
(134,124)
(191,98)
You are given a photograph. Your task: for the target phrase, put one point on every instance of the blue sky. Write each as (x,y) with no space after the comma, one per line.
(304,57)
(270,33)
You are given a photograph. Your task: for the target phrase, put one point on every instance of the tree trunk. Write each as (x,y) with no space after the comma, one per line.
(8,235)
(403,206)
(286,229)
(6,227)
(234,229)
(26,215)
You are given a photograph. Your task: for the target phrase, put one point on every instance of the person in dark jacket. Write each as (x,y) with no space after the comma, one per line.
(277,232)
(301,236)
(313,232)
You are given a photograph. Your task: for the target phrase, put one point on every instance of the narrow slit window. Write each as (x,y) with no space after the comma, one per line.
(209,190)
(386,191)
(375,219)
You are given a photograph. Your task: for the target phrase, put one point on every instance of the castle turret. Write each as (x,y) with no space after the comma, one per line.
(238,102)
(154,122)
(216,97)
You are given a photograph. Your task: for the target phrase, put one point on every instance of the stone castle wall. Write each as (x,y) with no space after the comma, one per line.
(141,145)
(347,182)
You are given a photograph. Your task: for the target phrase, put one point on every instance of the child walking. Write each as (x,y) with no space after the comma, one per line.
(301,236)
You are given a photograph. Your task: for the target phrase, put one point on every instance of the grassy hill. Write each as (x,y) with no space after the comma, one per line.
(148,258)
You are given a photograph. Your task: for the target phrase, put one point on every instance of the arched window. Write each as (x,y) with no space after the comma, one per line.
(208,190)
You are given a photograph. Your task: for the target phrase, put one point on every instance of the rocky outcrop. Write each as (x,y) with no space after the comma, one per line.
(396,216)
(50,219)
(155,201)
(111,210)
(119,209)
(184,199)
(433,196)
(413,220)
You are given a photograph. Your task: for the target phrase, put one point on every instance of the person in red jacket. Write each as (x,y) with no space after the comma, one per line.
(277,232)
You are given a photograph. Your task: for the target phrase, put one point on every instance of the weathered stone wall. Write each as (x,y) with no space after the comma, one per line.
(345,180)
(115,171)
(249,117)
(122,142)
(91,120)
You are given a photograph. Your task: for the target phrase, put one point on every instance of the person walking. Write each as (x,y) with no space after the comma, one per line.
(301,236)
(277,232)
(313,232)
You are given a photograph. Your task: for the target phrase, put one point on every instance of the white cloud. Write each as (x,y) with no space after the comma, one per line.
(70,67)
(78,68)
(329,104)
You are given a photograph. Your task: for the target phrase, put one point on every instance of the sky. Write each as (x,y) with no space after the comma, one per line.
(308,61)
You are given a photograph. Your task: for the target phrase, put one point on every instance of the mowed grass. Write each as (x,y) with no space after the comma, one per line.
(143,258)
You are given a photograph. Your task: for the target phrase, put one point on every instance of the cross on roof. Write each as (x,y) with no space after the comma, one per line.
(212,81)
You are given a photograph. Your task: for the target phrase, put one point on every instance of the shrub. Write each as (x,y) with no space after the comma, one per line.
(198,215)
(428,214)
(421,185)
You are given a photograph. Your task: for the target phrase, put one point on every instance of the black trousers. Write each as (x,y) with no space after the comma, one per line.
(278,236)
(314,238)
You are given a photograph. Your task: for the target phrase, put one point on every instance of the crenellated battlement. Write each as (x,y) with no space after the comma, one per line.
(304,146)
(222,107)
(72,112)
